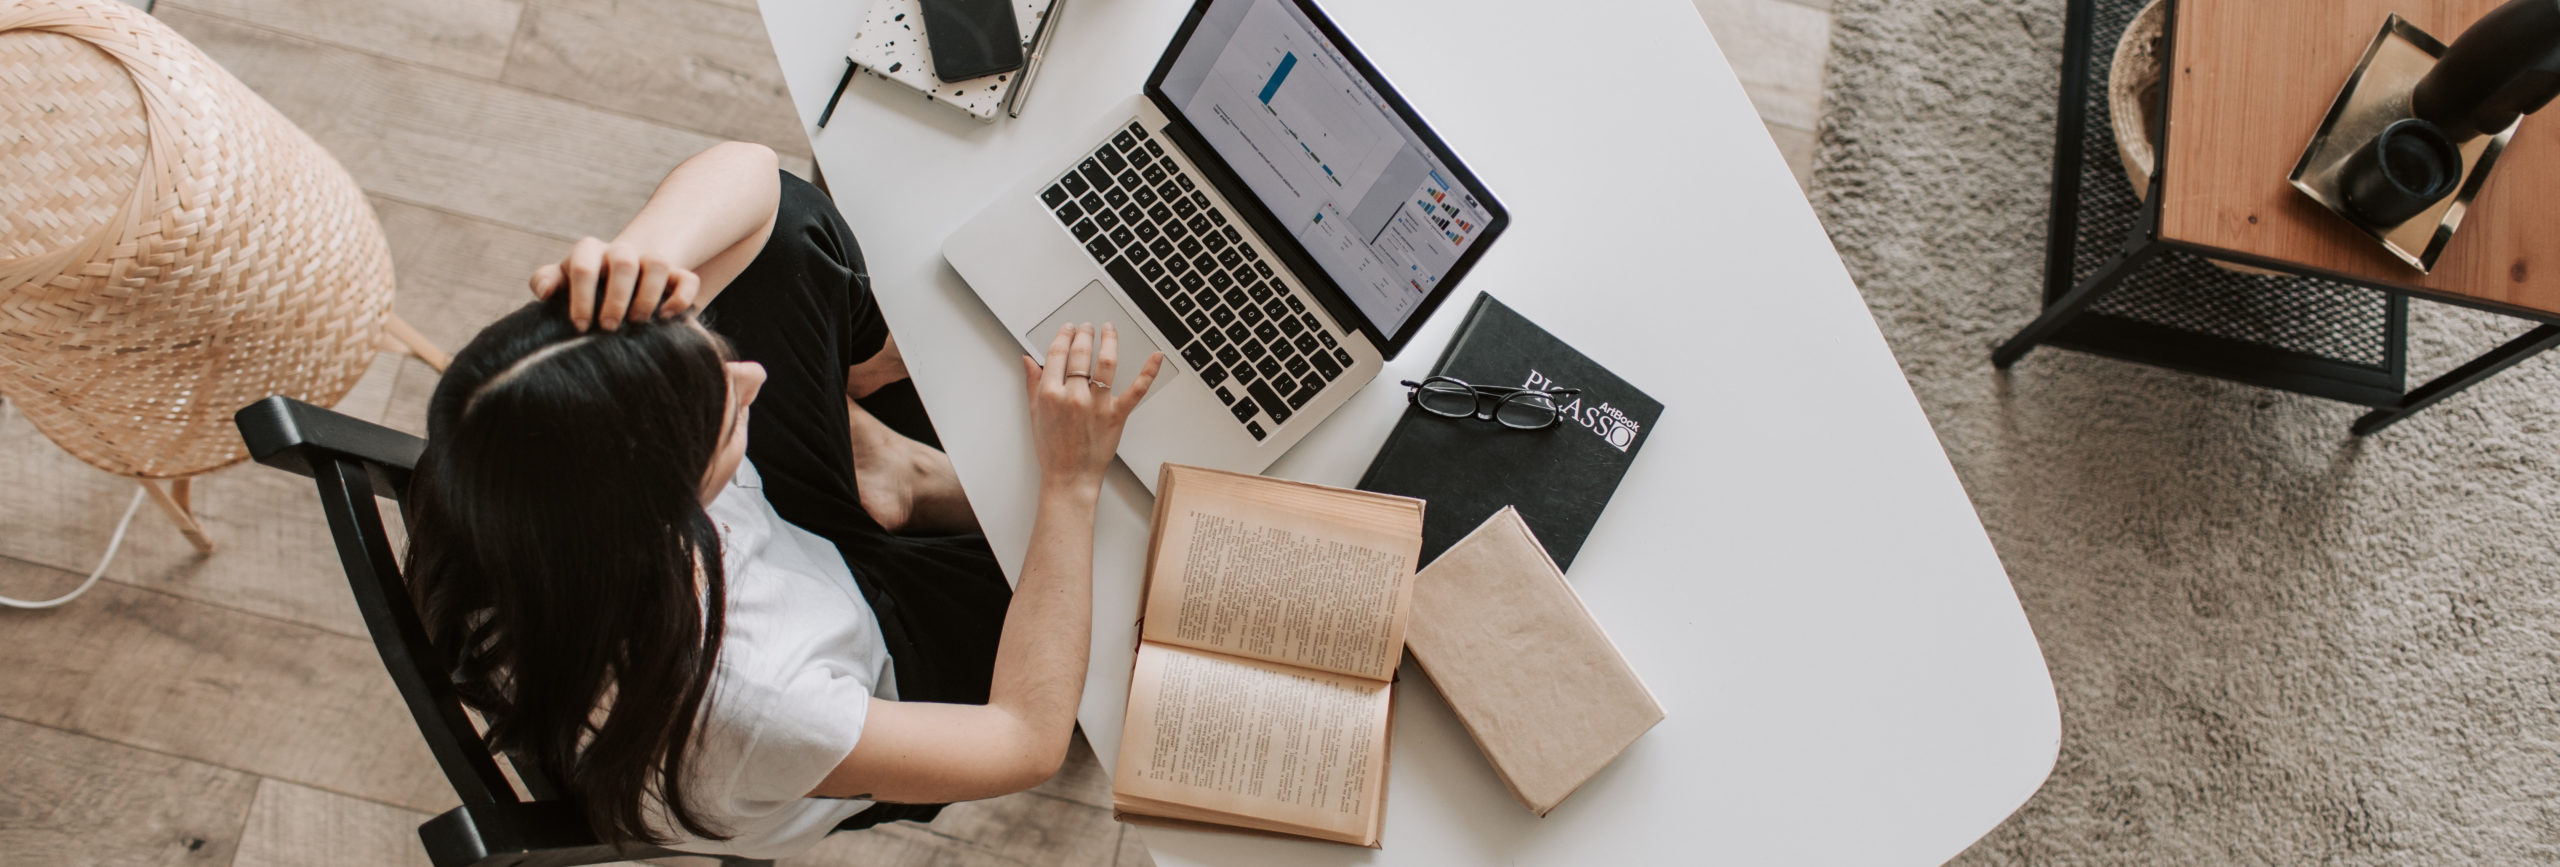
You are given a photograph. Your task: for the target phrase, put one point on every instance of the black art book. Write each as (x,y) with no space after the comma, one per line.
(1559,478)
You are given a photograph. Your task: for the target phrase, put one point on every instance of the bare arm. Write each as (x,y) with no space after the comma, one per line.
(917,752)
(705,222)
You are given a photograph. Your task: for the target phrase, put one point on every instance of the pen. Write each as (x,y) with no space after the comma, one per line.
(830,110)
(1031,65)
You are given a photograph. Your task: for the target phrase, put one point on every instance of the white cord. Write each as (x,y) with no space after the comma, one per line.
(113,543)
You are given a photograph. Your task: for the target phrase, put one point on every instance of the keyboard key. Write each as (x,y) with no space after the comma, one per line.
(1268,366)
(1123,140)
(1292,325)
(1310,319)
(1223,316)
(1090,201)
(1296,365)
(1255,428)
(1069,212)
(1229,356)
(1218,279)
(1130,213)
(1262,268)
(1053,195)
(1173,229)
(1307,389)
(1189,281)
(1152,270)
(1075,184)
(1085,230)
(1143,196)
(1093,173)
(1184,180)
(1140,159)
(1241,333)
(1106,219)
(1115,197)
(1201,199)
(1236,297)
(1209,373)
(1231,256)
(1182,207)
(1128,179)
(1225,396)
(1305,343)
(1270,401)
(1099,247)
(1282,384)
(1248,251)
(1278,311)
(1181,267)
(1146,231)
(1325,365)
(1197,319)
(1112,163)
(1159,213)
(1166,289)
(1244,375)
(1169,191)
(1122,237)
(1327,335)
(1161,246)
(1260,291)
(1198,223)
(1153,307)
(1152,174)
(1206,263)
(1244,410)
(1342,355)
(1189,247)
(1215,338)
(1266,331)
(1253,316)
(1138,129)
(1197,355)
(1215,242)
(1154,148)
(1182,303)
(1297,305)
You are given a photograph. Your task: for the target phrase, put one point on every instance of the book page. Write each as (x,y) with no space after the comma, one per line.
(1297,749)
(1295,574)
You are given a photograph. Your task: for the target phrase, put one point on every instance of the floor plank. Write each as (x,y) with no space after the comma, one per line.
(299,826)
(694,64)
(1081,779)
(451,141)
(465,36)
(68,799)
(1777,48)
(240,691)
(274,555)
(458,273)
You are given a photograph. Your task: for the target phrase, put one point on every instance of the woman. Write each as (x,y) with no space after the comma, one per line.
(733,630)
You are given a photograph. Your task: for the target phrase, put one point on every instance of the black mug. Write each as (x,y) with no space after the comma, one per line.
(2401,173)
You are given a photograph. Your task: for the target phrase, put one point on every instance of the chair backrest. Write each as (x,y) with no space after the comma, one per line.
(353,462)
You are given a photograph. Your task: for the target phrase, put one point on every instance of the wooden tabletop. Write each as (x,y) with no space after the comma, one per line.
(2253,80)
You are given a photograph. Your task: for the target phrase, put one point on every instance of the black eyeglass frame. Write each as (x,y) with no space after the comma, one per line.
(1500,396)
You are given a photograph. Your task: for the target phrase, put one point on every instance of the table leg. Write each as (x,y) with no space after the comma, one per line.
(2471,373)
(2063,309)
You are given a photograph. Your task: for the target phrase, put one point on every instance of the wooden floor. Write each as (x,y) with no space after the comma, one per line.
(227,709)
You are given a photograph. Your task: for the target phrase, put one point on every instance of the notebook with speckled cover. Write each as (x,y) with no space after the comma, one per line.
(891,45)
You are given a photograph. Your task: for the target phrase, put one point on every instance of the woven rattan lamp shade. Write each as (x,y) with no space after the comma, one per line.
(171,248)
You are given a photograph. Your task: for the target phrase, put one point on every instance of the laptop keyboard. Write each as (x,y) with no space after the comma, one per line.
(1187,266)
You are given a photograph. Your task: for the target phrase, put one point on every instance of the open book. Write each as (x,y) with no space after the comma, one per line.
(1272,624)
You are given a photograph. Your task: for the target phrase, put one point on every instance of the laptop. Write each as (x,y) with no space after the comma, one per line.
(1268,213)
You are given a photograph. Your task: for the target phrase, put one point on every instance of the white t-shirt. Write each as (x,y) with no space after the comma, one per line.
(800,661)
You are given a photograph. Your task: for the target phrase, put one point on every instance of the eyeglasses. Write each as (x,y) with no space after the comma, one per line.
(1518,408)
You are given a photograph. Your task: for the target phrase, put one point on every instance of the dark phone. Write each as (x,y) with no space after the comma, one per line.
(971,38)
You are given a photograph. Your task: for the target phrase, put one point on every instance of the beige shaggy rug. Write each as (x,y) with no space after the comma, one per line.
(2272,643)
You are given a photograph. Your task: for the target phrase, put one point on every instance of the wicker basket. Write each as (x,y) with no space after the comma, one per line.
(171,248)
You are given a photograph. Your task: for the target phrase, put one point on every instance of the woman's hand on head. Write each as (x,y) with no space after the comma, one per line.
(613,283)
(1078,405)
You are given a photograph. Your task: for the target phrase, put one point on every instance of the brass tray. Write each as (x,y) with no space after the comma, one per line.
(2374,96)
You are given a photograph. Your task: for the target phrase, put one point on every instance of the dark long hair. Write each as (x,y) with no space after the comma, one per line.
(556,532)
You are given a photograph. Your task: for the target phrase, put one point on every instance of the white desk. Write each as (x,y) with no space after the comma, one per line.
(1791,563)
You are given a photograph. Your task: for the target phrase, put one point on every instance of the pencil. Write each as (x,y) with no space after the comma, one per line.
(830,110)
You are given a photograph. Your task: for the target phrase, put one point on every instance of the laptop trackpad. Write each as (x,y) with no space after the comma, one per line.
(1095,305)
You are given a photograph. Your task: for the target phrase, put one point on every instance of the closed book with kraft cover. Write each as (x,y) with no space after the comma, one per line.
(1524,666)
(1559,477)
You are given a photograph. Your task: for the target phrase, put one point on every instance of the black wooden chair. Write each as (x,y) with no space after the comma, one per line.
(355,461)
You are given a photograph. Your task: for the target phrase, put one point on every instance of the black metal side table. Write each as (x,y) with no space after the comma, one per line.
(2115,286)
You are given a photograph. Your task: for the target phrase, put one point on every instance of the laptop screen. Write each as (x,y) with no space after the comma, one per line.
(1334,161)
